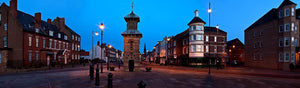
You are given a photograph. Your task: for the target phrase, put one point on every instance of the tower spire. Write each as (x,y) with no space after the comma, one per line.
(132,6)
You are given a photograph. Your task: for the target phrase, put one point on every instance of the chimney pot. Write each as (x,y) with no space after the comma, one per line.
(49,20)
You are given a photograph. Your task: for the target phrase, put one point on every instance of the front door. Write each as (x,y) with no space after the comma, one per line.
(65,59)
(48,60)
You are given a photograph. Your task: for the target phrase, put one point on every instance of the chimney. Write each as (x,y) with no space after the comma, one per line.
(98,43)
(61,23)
(13,8)
(196,13)
(37,19)
(49,20)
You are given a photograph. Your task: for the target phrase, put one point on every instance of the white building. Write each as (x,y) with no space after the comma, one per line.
(96,54)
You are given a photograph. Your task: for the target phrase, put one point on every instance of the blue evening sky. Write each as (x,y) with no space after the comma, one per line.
(159,18)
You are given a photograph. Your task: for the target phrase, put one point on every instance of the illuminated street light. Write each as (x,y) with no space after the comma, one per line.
(101,26)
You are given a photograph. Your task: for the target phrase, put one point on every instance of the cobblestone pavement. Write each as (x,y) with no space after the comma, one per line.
(157,78)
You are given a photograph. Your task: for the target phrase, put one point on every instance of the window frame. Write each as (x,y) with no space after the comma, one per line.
(287,12)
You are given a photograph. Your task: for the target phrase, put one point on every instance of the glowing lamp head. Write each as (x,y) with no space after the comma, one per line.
(109,46)
(101,26)
(96,33)
(217,26)
(209,10)
(168,39)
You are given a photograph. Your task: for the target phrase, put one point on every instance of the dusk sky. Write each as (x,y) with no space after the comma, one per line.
(159,18)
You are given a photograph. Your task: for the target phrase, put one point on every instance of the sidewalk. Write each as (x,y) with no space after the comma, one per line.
(237,70)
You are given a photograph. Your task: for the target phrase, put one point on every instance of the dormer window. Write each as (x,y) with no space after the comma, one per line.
(51,33)
(58,35)
(280,14)
(66,37)
(36,30)
(287,12)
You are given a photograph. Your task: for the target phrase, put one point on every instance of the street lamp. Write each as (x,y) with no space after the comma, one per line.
(93,33)
(101,27)
(209,76)
(168,39)
(109,46)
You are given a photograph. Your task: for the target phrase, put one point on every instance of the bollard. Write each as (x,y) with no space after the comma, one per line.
(97,81)
(109,80)
(92,72)
(142,84)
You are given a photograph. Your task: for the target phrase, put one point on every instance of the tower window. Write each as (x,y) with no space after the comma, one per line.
(287,12)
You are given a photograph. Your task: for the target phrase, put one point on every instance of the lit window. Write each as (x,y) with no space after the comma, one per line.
(36,41)
(72,37)
(292,41)
(280,28)
(66,37)
(287,27)
(286,41)
(199,37)
(280,14)
(199,48)
(215,38)
(50,43)
(75,38)
(293,11)
(51,33)
(293,26)
(5,26)
(29,40)
(59,35)
(206,38)
(287,12)
(78,38)
(215,49)
(233,46)
(5,41)
(36,30)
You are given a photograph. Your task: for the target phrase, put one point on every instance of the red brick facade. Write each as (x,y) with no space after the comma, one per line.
(32,41)
(271,42)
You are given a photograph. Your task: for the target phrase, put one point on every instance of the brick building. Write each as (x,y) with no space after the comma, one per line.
(272,41)
(131,38)
(27,40)
(192,46)
(235,52)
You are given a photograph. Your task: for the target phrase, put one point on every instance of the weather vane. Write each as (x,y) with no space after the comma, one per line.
(132,6)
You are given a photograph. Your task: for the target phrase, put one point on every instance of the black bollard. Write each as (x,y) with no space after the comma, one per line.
(92,72)
(141,84)
(109,80)
(97,81)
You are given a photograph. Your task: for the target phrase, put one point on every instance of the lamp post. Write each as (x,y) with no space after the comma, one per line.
(168,39)
(101,49)
(209,11)
(109,46)
(93,33)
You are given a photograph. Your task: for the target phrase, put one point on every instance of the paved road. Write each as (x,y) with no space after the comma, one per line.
(158,78)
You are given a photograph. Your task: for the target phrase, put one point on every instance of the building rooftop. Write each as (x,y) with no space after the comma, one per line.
(196,20)
(213,29)
(229,43)
(132,15)
(287,2)
(271,15)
